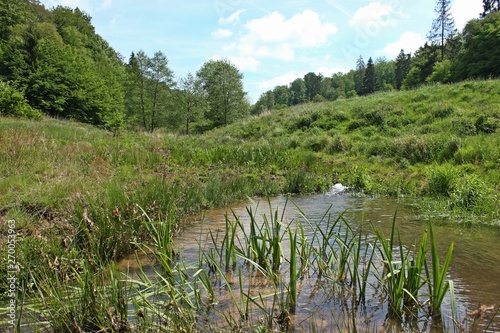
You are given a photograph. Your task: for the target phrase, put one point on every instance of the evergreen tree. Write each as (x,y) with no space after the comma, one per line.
(403,63)
(443,26)
(490,6)
(369,78)
(359,75)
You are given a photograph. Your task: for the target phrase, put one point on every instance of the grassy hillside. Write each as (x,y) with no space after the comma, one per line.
(73,189)
(438,142)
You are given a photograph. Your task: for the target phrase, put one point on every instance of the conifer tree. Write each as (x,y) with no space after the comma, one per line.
(443,26)
(359,75)
(369,78)
(403,64)
(490,6)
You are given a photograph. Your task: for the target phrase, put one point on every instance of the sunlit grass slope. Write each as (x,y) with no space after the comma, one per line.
(74,189)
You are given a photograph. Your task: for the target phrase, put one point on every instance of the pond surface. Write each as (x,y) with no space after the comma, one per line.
(474,269)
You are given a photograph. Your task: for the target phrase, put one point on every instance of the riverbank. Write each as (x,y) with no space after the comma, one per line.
(75,191)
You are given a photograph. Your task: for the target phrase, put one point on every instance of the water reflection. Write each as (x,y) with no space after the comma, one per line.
(474,268)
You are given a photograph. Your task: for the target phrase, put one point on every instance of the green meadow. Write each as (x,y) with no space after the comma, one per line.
(76,191)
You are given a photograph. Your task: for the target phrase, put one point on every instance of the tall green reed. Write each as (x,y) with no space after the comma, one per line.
(437,283)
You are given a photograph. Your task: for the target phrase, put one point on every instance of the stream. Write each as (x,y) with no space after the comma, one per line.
(474,268)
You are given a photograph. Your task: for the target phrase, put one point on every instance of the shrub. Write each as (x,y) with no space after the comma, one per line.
(338,144)
(463,127)
(487,124)
(469,192)
(442,179)
(13,103)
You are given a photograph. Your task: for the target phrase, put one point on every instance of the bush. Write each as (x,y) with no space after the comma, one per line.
(463,191)
(442,180)
(13,103)
(469,192)
(487,124)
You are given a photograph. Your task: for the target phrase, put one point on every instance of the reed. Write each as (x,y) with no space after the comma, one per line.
(394,270)
(292,287)
(438,285)
(414,268)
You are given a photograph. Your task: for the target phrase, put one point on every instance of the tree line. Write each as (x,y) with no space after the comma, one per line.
(53,63)
(448,56)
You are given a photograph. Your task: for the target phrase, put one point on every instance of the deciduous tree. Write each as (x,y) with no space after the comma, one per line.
(151,81)
(298,92)
(223,86)
(480,57)
(313,84)
(191,101)
(281,96)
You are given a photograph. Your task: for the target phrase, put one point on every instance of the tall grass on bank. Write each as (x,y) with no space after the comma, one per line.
(241,294)
(437,145)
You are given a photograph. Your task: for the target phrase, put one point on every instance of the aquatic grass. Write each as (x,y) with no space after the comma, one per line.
(395,276)
(292,286)
(228,243)
(93,300)
(438,285)
(360,276)
(414,268)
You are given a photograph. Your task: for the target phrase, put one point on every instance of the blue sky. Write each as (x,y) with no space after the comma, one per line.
(271,42)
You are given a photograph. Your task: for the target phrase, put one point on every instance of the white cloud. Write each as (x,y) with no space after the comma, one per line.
(409,42)
(329,71)
(375,13)
(233,18)
(465,10)
(106,4)
(283,79)
(272,36)
(242,63)
(245,63)
(222,33)
(304,29)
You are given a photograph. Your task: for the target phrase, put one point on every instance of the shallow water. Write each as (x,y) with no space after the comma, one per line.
(474,268)
(326,307)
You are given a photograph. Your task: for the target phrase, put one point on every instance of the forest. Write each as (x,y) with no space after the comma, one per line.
(53,63)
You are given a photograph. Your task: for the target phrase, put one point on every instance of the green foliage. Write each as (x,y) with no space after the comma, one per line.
(312,82)
(222,82)
(148,90)
(298,92)
(13,103)
(369,78)
(442,72)
(403,65)
(478,59)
